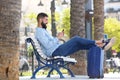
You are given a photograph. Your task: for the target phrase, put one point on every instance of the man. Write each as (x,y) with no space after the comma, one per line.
(51,47)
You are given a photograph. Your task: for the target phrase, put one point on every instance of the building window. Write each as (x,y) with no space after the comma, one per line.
(109,10)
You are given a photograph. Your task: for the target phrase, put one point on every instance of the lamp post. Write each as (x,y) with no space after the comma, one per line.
(40,4)
(88,18)
(53,24)
(53,29)
(64,2)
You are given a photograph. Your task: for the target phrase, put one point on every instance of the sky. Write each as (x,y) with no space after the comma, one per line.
(32,6)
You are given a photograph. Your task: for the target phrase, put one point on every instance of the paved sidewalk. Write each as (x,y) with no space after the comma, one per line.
(110,76)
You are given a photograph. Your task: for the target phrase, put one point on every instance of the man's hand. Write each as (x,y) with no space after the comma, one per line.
(60,35)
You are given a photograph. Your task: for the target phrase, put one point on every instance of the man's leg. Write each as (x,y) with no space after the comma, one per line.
(76,43)
(73,45)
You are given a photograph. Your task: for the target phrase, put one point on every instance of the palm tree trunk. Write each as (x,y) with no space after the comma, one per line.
(99,22)
(9,39)
(77,20)
(98,19)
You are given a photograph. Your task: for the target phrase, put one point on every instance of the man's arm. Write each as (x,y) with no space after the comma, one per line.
(45,41)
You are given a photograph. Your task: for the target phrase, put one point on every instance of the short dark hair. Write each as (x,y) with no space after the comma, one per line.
(41,15)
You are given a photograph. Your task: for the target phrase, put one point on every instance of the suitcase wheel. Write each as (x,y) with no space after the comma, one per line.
(100,77)
(91,77)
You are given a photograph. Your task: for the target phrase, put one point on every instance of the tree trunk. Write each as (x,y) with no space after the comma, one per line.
(77,20)
(98,19)
(99,23)
(9,39)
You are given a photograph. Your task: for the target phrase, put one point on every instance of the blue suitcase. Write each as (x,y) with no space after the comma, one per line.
(95,61)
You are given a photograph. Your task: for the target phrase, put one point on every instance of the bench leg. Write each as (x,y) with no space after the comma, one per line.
(34,73)
(49,73)
(59,72)
(71,73)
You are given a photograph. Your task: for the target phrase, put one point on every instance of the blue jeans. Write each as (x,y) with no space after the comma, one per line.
(73,45)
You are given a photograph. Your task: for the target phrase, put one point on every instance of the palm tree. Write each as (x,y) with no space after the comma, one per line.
(77,20)
(98,19)
(99,22)
(9,39)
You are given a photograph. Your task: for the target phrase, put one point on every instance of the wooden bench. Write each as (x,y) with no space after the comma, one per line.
(54,63)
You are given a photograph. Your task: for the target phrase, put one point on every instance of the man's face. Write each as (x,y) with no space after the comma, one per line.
(45,20)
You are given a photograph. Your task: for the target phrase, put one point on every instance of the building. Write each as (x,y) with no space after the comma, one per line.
(112,9)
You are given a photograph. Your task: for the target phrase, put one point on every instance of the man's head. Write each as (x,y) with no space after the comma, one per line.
(42,18)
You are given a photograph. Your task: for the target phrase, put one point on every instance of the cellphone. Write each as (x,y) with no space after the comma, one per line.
(63,30)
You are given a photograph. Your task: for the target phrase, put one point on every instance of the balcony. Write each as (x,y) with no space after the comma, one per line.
(112,10)
(113,1)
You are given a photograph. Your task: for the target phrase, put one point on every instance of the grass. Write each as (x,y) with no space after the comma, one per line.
(43,72)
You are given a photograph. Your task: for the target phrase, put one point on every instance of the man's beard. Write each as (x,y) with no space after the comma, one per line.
(43,25)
